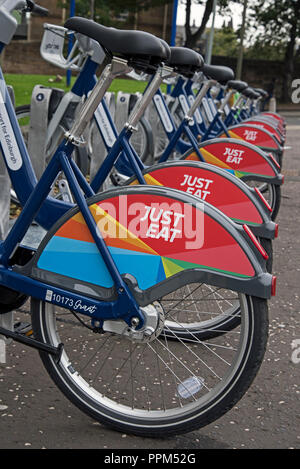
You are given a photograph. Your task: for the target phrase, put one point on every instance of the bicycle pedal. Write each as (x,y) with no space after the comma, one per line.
(23,328)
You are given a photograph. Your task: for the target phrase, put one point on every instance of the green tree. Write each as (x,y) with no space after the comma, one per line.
(225,42)
(281,22)
(192,36)
(261,49)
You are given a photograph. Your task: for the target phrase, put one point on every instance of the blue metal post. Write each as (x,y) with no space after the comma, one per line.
(70,44)
(174,20)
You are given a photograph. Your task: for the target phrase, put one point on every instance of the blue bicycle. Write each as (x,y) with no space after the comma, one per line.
(115,269)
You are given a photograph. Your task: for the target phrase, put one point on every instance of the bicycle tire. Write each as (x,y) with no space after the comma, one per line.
(268,247)
(150,417)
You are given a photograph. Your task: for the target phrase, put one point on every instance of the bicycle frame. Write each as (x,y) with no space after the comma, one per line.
(124,157)
(216,126)
(93,263)
(40,208)
(118,147)
(125,306)
(192,134)
(15,258)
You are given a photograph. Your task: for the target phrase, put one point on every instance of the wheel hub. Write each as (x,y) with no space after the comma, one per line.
(153,325)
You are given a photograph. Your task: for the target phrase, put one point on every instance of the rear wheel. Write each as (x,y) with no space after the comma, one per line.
(201,311)
(272,194)
(268,247)
(158,388)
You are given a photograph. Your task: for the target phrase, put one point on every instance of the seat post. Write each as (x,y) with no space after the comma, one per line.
(142,104)
(206,85)
(225,101)
(117,67)
(236,106)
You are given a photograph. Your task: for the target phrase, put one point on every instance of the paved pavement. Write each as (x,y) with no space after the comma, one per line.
(34,414)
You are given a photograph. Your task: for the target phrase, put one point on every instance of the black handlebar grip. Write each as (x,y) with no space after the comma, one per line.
(37,9)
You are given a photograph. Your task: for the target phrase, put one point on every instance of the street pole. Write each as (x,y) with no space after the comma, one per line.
(211,36)
(241,49)
(173,31)
(92,9)
(70,44)
(174,21)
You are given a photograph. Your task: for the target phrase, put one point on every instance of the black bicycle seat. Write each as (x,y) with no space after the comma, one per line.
(185,61)
(142,50)
(250,93)
(219,73)
(261,92)
(237,85)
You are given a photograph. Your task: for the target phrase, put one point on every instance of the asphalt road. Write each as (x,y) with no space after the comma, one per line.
(35,415)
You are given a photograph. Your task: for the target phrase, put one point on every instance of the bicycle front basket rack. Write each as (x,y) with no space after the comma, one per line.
(53,48)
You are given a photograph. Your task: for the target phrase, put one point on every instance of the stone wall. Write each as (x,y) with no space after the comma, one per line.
(259,73)
(23,57)
(36,22)
(156,21)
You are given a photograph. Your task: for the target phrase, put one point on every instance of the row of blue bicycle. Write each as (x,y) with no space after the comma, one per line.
(149,290)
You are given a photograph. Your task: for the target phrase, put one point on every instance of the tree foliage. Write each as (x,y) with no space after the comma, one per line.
(225,42)
(281,23)
(263,50)
(193,37)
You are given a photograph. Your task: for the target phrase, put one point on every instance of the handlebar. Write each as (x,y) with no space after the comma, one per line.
(37,9)
(8,23)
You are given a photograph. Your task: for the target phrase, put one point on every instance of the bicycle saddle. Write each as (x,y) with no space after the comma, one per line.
(250,93)
(219,73)
(185,61)
(237,85)
(262,92)
(142,50)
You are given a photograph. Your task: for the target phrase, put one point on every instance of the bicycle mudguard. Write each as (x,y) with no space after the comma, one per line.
(160,239)
(244,160)
(233,197)
(274,120)
(254,134)
(267,126)
(274,115)
(275,125)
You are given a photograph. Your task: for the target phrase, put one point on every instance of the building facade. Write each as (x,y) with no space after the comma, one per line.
(23,55)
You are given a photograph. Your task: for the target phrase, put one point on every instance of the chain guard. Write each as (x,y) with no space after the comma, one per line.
(10,299)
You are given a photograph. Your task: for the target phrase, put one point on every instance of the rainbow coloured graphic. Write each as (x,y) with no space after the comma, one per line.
(211,159)
(72,252)
(254,165)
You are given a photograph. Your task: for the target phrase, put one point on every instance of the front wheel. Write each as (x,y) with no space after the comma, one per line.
(158,388)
